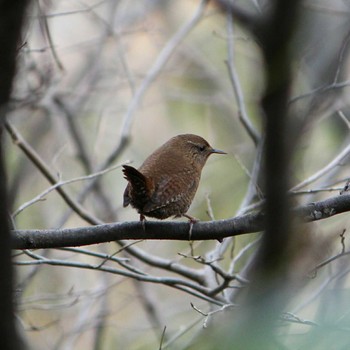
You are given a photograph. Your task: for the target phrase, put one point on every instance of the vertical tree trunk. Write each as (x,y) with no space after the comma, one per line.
(11,22)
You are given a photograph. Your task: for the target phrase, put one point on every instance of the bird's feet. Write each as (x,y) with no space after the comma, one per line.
(192,221)
(143,221)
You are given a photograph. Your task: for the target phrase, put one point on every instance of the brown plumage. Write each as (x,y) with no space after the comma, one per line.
(168,179)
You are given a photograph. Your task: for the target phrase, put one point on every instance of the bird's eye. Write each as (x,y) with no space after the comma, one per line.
(202,148)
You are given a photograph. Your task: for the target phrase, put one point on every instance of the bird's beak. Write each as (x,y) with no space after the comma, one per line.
(213,150)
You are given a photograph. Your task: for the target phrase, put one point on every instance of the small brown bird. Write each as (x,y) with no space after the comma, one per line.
(168,179)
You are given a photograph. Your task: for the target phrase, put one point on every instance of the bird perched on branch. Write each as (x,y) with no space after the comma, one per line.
(168,179)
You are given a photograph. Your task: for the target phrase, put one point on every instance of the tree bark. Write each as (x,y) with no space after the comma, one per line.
(11,22)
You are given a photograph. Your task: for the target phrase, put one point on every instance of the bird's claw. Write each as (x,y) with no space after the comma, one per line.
(143,221)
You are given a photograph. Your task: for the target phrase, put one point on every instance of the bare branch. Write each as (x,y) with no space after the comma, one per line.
(46,171)
(153,73)
(242,112)
(47,33)
(248,223)
(248,20)
(184,285)
(325,170)
(320,91)
(40,196)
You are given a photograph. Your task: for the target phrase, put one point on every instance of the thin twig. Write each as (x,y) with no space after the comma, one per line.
(320,90)
(192,288)
(162,338)
(248,20)
(288,316)
(75,133)
(166,264)
(242,252)
(319,190)
(121,261)
(207,315)
(181,332)
(328,261)
(40,196)
(242,112)
(344,119)
(210,211)
(325,170)
(46,171)
(341,57)
(342,241)
(43,20)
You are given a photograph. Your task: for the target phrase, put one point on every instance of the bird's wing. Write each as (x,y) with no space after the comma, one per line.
(170,190)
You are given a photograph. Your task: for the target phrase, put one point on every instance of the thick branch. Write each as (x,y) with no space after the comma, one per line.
(248,223)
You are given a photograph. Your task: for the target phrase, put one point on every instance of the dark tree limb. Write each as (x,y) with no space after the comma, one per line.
(11,21)
(169,230)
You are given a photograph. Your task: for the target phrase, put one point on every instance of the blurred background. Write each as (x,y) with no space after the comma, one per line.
(101,83)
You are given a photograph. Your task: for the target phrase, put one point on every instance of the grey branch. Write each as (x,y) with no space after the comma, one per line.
(169,230)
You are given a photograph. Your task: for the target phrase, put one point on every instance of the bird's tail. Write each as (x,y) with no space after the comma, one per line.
(141,186)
